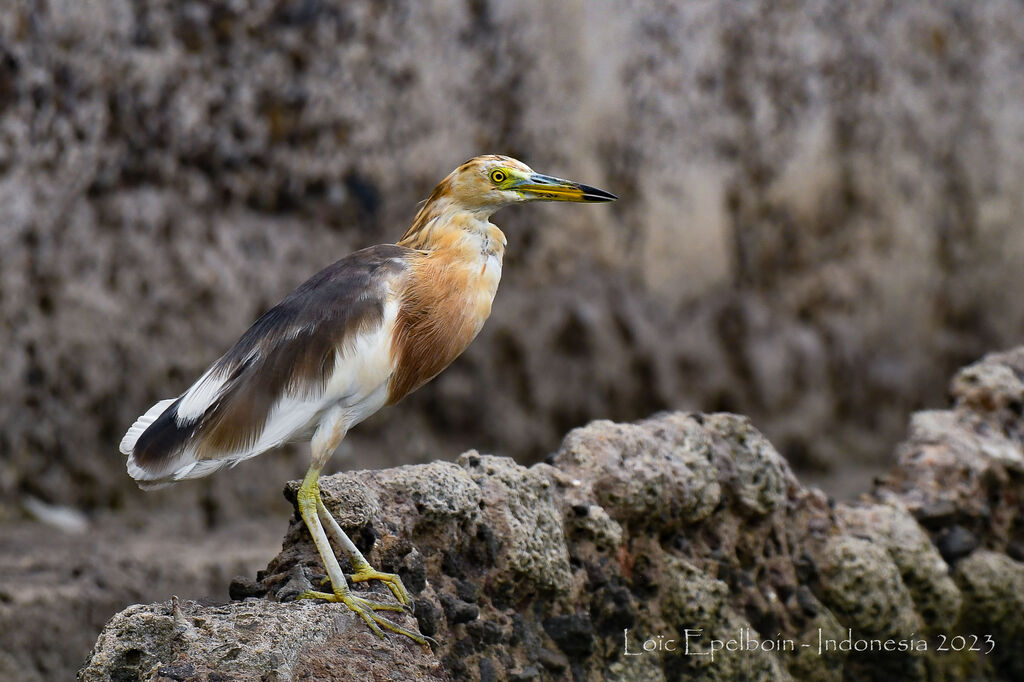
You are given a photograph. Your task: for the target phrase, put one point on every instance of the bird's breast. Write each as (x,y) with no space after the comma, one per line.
(444,306)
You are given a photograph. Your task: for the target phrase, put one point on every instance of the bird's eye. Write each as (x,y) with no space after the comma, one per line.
(498,176)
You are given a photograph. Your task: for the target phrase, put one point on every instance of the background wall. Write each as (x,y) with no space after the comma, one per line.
(819,216)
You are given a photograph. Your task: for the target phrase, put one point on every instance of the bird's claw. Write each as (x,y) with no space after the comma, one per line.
(332,597)
(365,609)
(393,581)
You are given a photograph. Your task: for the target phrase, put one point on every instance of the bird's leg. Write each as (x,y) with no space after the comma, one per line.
(309,499)
(363,570)
(325,440)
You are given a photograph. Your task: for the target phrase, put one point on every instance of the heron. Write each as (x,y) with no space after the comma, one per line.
(359,335)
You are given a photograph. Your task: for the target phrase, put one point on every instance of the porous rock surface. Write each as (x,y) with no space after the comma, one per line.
(59,588)
(253,640)
(819,216)
(632,532)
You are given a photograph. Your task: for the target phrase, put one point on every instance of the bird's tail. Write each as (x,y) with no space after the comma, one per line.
(146,477)
(156,446)
(141,424)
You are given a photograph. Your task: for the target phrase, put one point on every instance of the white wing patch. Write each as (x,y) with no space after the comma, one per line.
(358,385)
(360,380)
(200,397)
(141,424)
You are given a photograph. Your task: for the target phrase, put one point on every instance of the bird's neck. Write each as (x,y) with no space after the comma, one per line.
(453,277)
(443,226)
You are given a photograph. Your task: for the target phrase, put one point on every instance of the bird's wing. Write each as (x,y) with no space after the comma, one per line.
(277,377)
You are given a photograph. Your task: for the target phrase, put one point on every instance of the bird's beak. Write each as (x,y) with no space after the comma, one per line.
(547,188)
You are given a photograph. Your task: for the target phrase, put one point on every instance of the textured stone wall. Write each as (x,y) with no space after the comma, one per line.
(820,213)
(680,522)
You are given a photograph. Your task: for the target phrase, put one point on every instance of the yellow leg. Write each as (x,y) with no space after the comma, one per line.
(309,502)
(363,570)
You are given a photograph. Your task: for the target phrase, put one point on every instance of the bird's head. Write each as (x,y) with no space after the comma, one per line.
(486,183)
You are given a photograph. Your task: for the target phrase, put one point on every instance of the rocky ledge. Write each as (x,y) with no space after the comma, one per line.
(634,541)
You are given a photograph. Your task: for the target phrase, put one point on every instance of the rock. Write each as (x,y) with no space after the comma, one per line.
(251,640)
(921,564)
(994,384)
(574,634)
(863,587)
(659,473)
(591,522)
(57,590)
(993,587)
(956,471)
(956,543)
(520,511)
(760,477)
(439,492)
(699,603)
(633,544)
(242,588)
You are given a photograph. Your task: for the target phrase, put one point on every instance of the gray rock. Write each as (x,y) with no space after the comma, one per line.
(958,467)
(57,590)
(521,512)
(993,383)
(993,587)
(694,601)
(349,500)
(439,492)
(657,472)
(919,562)
(956,543)
(759,477)
(251,640)
(862,586)
(592,522)
(570,567)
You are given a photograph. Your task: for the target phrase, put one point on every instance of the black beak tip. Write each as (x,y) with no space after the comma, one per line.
(596,195)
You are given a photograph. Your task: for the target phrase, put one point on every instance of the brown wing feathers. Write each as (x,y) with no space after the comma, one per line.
(289,351)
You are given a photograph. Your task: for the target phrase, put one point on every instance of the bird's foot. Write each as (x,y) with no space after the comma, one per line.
(393,582)
(366,609)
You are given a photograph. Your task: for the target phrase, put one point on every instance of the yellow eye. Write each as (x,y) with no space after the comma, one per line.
(498,176)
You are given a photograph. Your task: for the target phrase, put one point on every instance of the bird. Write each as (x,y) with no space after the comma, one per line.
(360,334)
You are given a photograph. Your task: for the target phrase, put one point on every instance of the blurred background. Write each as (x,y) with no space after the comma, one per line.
(819,220)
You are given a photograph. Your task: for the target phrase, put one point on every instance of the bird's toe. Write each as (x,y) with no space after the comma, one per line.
(393,581)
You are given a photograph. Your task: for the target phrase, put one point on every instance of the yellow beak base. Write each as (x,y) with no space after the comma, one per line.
(547,188)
